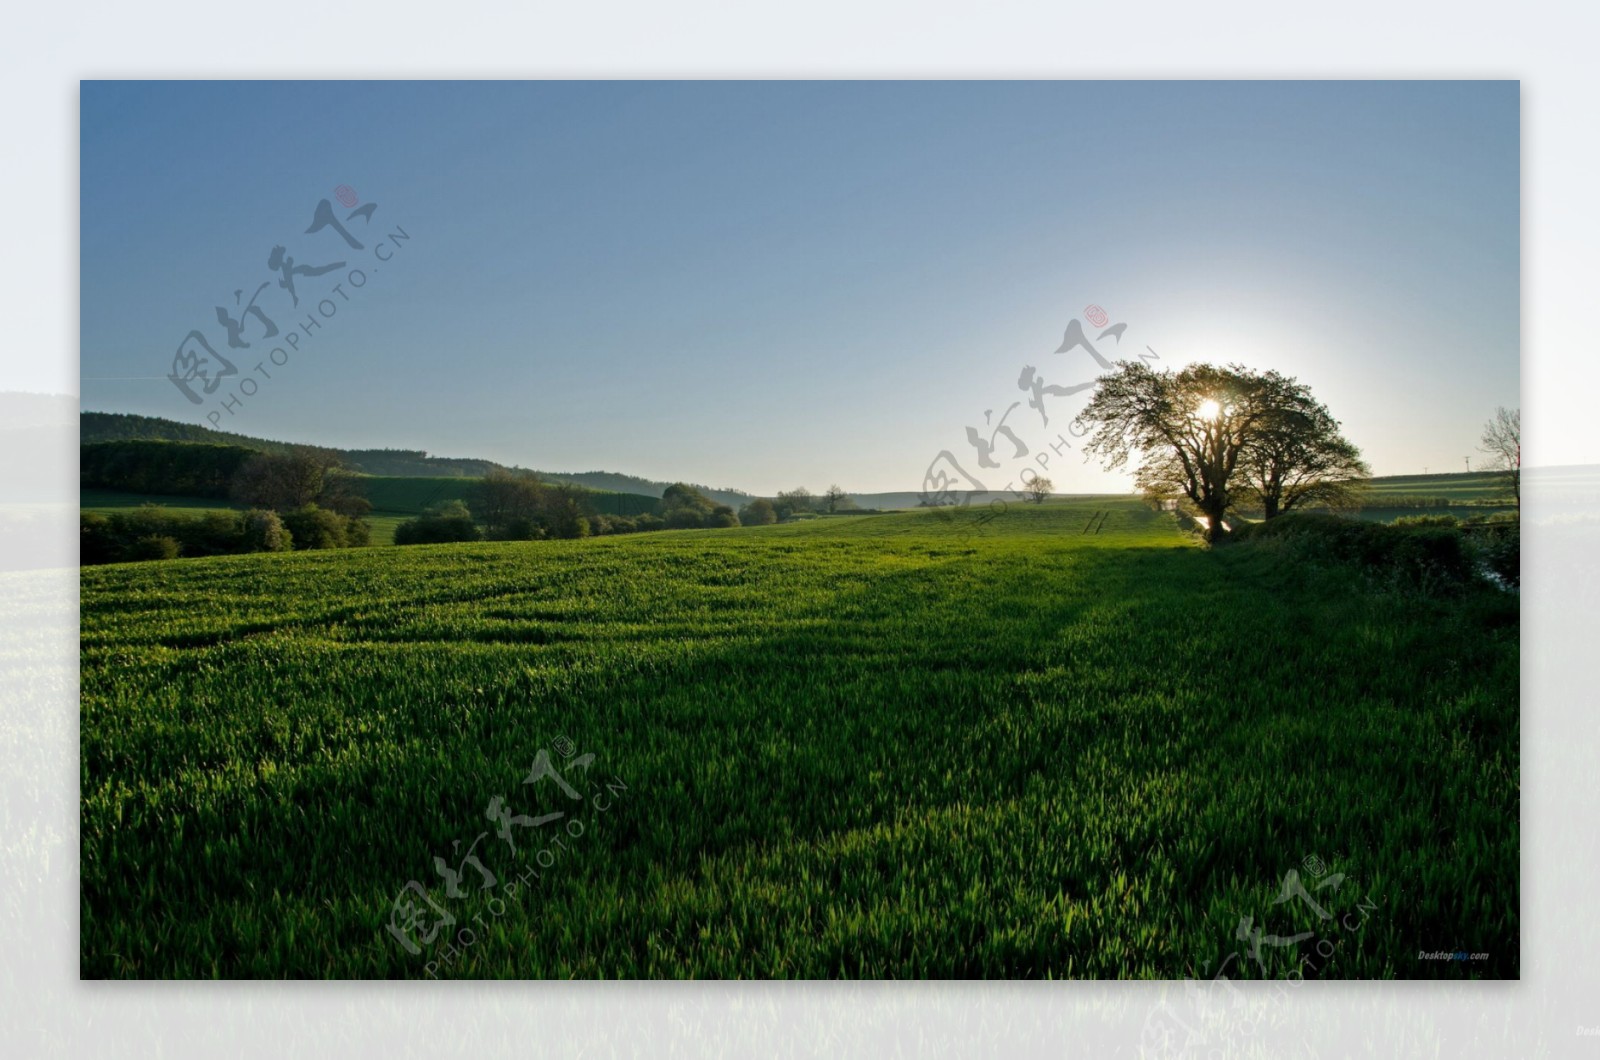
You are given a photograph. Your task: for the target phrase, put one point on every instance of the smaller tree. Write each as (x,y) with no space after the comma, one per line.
(1502,440)
(312,527)
(791,502)
(685,508)
(758,512)
(507,502)
(342,492)
(284,481)
(722,516)
(564,510)
(1039,488)
(682,495)
(834,498)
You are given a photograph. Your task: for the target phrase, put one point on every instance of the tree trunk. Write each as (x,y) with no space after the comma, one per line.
(1269,505)
(1214,531)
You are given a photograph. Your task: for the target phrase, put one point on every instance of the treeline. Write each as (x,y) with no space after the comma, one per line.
(96,427)
(519,506)
(183,469)
(300,499)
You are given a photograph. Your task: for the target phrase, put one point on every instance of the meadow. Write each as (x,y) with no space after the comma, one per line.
(886,745)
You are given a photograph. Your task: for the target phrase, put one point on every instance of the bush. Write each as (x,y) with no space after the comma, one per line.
(519,528)
(265,532)
(139,533)
(209,534)
(722,516)
(685,508)
(438,525)
(759,512)
(95,541)
(313,527)
(648,522)
(154,546)
(357,532)
(1425,558)
(1498,548)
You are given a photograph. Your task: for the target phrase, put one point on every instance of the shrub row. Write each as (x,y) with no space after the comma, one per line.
(1420,557)
(154,532)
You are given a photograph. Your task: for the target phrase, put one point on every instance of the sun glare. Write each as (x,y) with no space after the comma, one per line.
(1208,410)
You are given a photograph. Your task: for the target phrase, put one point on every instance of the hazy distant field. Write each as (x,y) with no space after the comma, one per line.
(869,746)
(1459,486)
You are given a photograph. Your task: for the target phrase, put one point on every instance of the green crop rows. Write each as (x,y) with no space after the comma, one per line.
(891,745)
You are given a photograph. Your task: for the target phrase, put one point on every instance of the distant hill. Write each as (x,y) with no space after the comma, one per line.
(402,463)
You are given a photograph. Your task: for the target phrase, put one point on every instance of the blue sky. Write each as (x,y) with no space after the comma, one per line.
(762,285)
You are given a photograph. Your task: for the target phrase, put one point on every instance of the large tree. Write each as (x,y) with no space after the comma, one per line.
(1502,440)
(1297,457)
(1201,432)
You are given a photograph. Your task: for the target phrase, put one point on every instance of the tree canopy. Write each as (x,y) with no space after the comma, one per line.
(1213,437)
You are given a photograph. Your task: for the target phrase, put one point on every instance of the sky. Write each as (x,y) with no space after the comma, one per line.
(762,285)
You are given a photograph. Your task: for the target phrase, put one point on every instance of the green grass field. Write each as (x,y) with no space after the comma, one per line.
(871,746)
(108,501)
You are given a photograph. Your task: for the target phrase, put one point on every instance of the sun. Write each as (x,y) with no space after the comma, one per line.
(1208,410)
